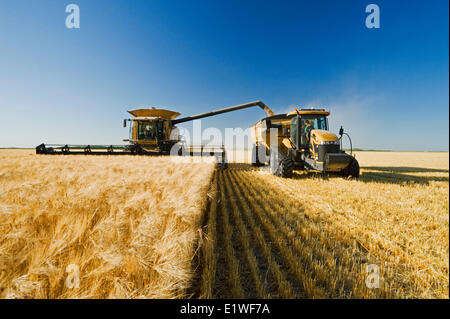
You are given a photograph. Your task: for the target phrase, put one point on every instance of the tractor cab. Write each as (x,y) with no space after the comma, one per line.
(309,127)
(303,124)
(315,145)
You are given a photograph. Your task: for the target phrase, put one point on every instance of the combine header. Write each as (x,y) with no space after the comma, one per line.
(53,149)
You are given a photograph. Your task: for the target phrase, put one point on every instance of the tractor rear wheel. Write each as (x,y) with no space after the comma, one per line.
(352,170)
(280,164)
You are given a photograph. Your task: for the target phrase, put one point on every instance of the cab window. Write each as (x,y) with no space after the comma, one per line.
(146,130)
(294,123)
(320,123)
(309,123)
(160,130)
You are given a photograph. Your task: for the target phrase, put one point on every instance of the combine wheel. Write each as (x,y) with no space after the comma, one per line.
(138,150)
(133,149)
(181,151)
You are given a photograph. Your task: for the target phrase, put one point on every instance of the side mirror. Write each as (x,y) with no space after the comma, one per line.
(124,123)
(341,131)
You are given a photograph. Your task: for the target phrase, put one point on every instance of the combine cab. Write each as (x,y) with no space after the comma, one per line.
(152,131)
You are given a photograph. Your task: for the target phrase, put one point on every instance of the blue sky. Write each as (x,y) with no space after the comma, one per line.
(388,87)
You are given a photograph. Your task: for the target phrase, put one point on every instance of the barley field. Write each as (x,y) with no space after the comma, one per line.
(139,227)
(128,226)
(313,236)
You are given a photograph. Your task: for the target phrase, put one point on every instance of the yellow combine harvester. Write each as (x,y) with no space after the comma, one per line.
(300,140)
(152,132)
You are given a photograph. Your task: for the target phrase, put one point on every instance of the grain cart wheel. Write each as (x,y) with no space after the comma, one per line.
(280,164)
(286,166)
(258,155)
(352,170)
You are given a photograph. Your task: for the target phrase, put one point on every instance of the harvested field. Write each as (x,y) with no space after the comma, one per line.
(313,236)
(129,226)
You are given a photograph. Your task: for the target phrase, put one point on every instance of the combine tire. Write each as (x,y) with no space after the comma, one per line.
(256,159)
(280,164)
(352,170)
(133,149)
(181,151)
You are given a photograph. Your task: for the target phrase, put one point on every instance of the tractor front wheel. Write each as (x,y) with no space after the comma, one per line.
(352,170)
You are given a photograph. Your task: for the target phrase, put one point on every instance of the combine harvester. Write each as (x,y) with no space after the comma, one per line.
(300,140)
(152,132)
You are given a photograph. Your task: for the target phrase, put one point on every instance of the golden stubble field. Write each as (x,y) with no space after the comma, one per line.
(133,226)
(126,226)
(314,236)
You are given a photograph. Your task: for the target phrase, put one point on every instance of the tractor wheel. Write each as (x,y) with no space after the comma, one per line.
(256,160)
(280,164)
(352,170)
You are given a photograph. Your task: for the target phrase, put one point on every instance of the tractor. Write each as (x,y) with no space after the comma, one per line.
(301,140)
